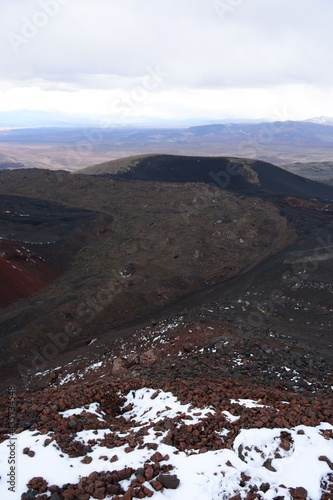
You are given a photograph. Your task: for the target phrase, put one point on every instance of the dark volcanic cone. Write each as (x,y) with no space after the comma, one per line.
(235,174)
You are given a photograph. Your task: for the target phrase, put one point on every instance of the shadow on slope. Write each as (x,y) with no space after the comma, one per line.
(234,174)
(38,240)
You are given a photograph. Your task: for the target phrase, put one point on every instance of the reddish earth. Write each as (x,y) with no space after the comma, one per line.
(38,241)
(22,272)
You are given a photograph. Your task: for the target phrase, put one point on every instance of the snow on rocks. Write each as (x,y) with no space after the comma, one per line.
(137,452)
(149,405)
(92,408)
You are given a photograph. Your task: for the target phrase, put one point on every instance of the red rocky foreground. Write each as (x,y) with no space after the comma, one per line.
(102,421)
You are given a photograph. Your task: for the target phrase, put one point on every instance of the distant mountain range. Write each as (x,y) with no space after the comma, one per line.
(278,133)
(73,147)
(25,118)
(323,120)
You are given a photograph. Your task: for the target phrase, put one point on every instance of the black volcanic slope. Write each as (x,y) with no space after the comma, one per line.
(234,174)
(38,240)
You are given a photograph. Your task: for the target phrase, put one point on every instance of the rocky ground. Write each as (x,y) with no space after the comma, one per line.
(149,245)
(220,390)
(179,409)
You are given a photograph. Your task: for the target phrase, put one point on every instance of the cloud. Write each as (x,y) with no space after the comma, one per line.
(79,45)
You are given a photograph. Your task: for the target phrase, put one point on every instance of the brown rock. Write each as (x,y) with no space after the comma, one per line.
(39,484)
(298,493)
(68,495)
(148,357)
(156,485)
(113,489)
(327,460)
(93,476)
(114,458)
(124,473)
(149,472)
(154,396)
(90,488)
(286,440)
(99,484)
(268,465)
(118,367)
(169,481)
(147,491)
(86,460)
(128,495)
(157,457)
(100,493)
(245,478)
(152,446)
(264,487)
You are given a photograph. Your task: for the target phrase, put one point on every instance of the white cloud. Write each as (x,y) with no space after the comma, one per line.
(217,54)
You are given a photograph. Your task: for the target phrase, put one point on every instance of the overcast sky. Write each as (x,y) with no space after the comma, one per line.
(168,58)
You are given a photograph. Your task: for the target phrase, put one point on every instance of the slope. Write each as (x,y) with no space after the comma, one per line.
(234,174)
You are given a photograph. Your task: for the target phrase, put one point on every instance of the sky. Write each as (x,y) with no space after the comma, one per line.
(168,59)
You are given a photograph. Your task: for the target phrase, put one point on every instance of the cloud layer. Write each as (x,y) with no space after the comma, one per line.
(110,46)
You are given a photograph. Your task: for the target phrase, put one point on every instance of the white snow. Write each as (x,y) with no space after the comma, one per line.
(93,408)
(248,403)
(164,405)
(230,417)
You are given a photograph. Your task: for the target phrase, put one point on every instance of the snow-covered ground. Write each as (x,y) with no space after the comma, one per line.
(214,475)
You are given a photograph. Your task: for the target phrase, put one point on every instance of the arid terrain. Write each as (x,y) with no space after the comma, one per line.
(172,335)
(73,148)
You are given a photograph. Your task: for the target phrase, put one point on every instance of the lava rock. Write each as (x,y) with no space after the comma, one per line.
(169,481)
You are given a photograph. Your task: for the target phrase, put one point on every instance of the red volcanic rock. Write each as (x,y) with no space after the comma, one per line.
(149,472)
(169,481)
(152,446)
(119,366)
(100,493)
(124,473)
(148,357)
(39,484)
(157,457)
(286,440)
(298,493)
(268,465)
(113,489)
(147,491)
(22,273)
(30,453)
(156,485)
(327,460)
